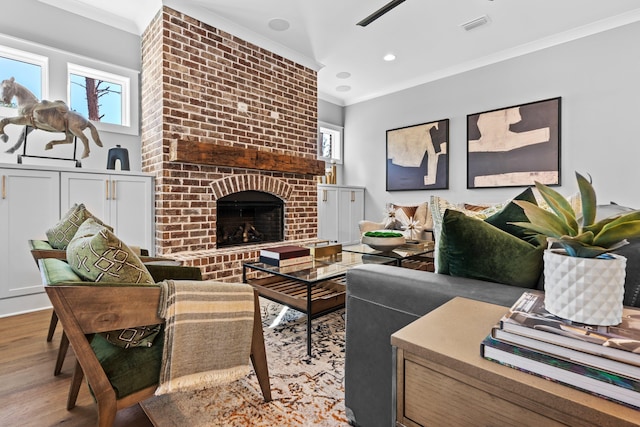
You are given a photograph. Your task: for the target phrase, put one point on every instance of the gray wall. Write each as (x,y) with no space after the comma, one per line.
(35,27)
(598,78)
(330,113)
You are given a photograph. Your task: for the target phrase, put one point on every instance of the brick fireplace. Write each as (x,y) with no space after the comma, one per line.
(221,116)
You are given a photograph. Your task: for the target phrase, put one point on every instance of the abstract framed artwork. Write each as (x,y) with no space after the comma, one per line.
(418,157)
(514,146)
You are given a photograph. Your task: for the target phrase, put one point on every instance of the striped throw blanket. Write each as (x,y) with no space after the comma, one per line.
(208,334)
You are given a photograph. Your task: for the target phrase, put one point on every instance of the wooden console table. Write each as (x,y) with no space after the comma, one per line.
(441,379)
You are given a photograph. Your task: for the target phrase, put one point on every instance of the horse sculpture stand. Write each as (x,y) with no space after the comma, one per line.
(51,116)
(24,150)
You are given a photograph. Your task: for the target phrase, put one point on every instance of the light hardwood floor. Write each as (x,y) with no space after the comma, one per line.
(29,393)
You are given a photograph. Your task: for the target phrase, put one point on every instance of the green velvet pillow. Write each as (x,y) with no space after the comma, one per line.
(97,255)
(478,250)
(61,234)
(513,213)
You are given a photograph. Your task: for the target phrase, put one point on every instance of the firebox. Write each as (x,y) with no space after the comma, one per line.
(249,217)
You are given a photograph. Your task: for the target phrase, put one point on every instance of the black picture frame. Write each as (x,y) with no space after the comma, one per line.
(418,157)
(515,146)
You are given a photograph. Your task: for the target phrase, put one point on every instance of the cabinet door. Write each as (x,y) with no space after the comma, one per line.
(351,212)
(328,214)
(132,210)
(94,190)
(29,205)
(123,202)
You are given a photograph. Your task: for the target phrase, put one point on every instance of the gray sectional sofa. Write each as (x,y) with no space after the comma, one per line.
(382,299)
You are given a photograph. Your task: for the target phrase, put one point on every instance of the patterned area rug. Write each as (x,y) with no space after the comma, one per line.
(306,391)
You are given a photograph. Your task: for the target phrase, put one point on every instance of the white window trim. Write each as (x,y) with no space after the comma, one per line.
(335,128)
(30,58)
(123,81)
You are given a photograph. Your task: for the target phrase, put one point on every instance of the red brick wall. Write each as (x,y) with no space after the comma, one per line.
(193,77)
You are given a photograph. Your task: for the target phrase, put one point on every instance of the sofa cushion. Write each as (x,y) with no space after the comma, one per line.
(123,365)
(630,251)
(97,255)
(401,217)
(438,206)
(513,213)
(61,234)
(56,271)
(418,213)
(478,250)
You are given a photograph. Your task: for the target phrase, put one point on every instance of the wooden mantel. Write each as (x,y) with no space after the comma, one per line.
(250,158)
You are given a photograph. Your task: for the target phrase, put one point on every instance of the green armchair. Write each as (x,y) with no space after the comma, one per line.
(120,377)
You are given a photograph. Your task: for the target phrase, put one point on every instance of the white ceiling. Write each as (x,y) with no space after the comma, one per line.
(425,35)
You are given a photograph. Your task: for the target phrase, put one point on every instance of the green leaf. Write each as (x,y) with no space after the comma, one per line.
(598,226)
(585,237)
(588,198)
(612,234)
(620,219)
(560,206)
(578,249)
(542,221)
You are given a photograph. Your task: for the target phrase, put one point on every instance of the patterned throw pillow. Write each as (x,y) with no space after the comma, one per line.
(400,217)
(419,213)
(97,255)
(61,234)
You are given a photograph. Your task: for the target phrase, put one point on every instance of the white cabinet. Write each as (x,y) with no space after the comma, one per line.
(340,208)
(32,200)
(29,205)
(125,202)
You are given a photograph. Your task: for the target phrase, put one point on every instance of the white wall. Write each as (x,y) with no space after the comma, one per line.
(63,37)
(598,78)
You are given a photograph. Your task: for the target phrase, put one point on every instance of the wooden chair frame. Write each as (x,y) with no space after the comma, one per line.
(86,310)
(61,254)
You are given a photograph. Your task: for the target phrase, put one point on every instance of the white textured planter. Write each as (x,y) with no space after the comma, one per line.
(584,290)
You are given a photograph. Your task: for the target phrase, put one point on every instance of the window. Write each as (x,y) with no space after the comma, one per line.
(330,143)
(28,69)
(99,96)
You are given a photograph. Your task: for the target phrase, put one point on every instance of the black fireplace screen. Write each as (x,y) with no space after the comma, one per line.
(249,217)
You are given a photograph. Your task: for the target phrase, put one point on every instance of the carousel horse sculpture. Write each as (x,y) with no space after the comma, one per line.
(52,116)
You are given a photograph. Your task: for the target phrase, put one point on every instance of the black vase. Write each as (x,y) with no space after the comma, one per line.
(118,153)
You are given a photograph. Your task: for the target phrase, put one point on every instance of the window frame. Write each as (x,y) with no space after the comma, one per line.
(127,118)
(29,58)
(324,127)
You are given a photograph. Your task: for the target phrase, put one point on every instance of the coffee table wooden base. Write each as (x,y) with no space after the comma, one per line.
(314,300)
(327,295)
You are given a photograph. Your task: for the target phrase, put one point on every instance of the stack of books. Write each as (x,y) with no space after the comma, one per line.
(602,360)
(284,256)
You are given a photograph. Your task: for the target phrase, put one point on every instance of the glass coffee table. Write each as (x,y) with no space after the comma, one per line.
(314,288)
(409,255)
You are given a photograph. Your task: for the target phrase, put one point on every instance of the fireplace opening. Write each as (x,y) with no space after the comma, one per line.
(249,217)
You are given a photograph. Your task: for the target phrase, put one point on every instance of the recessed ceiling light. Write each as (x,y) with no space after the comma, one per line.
(389,57)
(279,24)
(343,75)
(343,88)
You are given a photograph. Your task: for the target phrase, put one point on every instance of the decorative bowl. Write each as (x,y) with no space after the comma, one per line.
(383,240)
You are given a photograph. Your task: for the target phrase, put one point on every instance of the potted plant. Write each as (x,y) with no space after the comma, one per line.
(584,281)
